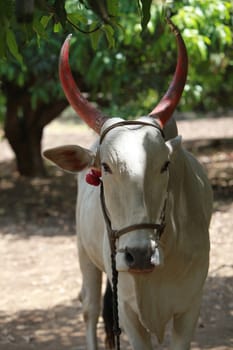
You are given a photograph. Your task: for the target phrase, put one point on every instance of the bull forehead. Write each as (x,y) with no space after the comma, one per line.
(135,188)
(134,148)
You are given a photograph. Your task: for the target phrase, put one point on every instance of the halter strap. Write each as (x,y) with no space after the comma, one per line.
(129,122)
(113,235)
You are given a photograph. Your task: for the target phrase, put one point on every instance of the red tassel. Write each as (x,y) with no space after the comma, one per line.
(93,177)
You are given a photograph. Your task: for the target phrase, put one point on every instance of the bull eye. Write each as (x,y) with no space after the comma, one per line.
(165,167)
(106,168)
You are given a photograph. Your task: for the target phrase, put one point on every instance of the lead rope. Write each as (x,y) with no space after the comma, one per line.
(116,327)
(113,235)
(112,242)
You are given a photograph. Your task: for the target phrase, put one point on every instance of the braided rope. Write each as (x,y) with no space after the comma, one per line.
(116,328)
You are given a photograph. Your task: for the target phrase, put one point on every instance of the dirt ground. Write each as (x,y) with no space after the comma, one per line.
(40,278)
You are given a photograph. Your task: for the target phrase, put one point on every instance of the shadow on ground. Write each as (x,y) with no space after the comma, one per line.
(42,202)
(62,327)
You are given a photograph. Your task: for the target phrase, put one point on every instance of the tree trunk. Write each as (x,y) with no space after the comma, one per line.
(24,130)
(26,144)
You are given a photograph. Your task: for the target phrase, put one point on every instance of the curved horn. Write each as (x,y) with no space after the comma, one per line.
(168,103)
(91,115)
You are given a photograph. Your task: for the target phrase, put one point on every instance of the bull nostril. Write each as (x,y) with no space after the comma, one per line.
(129,258)
(138,259)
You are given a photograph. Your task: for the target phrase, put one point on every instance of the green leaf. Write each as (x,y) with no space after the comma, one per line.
(39,28)
(76,18)
(45,20)
(57,27)
(146,5)
(109,32)
(113,6)
(202,48)
(224,34)
(95,37)
(12,45)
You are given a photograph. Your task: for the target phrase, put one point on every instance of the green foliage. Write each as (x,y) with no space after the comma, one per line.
(146,6)
(135,73)
(206,27)
(139,67)
(87,16)
(122,49)
(37,74)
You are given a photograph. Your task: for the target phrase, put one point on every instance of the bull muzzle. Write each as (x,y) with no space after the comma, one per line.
(139,259)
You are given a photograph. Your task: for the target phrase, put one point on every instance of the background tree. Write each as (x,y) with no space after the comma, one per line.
(122,55)
(33,99)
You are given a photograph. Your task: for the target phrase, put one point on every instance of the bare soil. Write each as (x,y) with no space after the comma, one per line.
(40,277)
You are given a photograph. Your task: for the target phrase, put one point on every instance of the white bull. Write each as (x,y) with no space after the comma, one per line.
(160,278)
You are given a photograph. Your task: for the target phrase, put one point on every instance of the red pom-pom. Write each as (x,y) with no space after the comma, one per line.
(93,177)
(96,172)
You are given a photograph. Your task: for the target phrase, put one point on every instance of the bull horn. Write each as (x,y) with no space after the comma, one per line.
(91,115)
(163,111)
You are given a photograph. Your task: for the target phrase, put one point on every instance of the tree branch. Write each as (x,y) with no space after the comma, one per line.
(48,112)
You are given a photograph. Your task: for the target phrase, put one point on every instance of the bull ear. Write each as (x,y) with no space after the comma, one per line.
(70,158)
(174,146)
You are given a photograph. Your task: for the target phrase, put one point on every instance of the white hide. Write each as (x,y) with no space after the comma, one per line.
(135,191)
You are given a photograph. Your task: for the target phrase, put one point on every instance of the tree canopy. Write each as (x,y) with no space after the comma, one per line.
(124,38)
